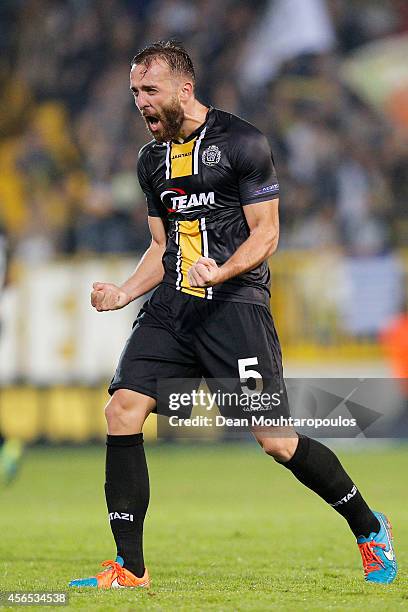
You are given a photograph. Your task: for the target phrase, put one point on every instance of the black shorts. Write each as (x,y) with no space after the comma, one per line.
(178,336)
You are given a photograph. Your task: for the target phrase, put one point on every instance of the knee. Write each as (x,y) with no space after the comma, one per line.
(281,449)
(121,409)
(112,410)
(115,409)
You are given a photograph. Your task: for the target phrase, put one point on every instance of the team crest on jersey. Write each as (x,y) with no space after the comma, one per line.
(211,155)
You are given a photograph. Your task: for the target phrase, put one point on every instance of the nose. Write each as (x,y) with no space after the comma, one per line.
(141,102)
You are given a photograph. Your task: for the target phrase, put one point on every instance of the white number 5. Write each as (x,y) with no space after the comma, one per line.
(244,374)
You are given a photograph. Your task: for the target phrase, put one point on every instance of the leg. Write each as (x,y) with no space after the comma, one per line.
(318,468)
(127,411)
(127,480)
(248,332)
(155,350)
(11,451)
(152,353)
(279,442)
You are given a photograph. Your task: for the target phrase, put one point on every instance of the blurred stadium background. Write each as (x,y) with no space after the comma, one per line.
(327,82)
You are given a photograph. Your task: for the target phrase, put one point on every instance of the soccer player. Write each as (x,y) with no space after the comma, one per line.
(212,199)
(11,449)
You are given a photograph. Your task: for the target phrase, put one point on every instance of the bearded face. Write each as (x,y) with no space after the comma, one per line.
(158,96)
(164,123)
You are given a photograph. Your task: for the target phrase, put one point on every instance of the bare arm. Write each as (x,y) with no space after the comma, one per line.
(263,222)
(148,274)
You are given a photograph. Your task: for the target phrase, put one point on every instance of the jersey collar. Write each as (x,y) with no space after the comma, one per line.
(197,131)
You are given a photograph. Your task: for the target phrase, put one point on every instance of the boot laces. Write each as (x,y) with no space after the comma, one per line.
(371,561)
(116,568)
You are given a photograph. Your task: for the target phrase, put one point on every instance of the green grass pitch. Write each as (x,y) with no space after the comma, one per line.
(227,529)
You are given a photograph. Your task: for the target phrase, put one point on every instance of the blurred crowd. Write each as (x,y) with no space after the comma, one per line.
(70,132)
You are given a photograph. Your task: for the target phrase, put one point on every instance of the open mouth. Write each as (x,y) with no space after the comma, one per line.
(152,122)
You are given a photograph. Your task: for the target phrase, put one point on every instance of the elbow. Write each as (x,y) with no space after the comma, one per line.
(158,245)
(271,250)
(272,245)
(266,240)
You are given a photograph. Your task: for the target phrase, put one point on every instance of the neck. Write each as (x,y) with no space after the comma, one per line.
(195,114)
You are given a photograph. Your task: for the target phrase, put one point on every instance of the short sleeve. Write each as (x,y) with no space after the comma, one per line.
(253,161)
(154,205)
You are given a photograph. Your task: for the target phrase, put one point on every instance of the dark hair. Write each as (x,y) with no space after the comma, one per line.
(171,52)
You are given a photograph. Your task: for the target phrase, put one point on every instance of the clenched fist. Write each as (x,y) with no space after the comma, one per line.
(204,273)
(106,296)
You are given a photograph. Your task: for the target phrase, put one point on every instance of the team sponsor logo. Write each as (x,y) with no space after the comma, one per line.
(267,189)
(177,200)
(211,155)
(346,498)
(124,516)
(179,155)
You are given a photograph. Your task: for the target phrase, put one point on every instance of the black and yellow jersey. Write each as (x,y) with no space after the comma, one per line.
(199,188)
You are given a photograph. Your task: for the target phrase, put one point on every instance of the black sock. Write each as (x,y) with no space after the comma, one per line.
(317,467)
(127,497)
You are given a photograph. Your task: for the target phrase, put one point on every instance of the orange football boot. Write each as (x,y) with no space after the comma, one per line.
(115,576)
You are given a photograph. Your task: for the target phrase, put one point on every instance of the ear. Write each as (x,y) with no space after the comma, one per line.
(186,91)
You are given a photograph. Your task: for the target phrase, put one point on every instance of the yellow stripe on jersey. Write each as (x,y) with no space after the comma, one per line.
(190,244)
(181,157)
